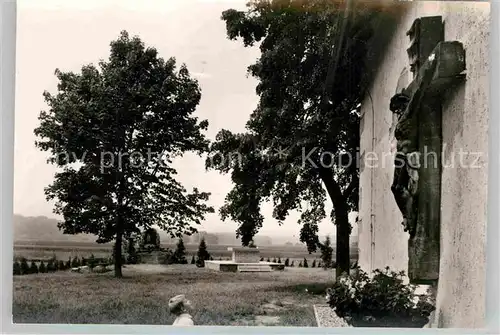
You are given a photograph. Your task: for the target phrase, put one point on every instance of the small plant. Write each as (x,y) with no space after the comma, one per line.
(75,262)
(16,268)
(42,268)
(287,262)
(33,267)
(381,301)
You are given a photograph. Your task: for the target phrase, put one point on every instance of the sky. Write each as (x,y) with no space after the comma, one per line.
(68,34)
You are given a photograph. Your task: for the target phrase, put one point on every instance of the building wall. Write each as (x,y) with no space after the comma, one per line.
(461,290)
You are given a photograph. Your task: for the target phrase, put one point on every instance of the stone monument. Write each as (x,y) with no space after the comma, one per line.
(244,259)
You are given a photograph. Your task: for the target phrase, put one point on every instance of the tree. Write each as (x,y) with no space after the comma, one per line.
(114,130)
(305,263)
(180,253)
(300,264)
(301,141)
(203,254)
(327,253)
(293,264)
(279,260)
(287,262)
(268,260)
(313,264)
(62,266)
(68,264)
(33,267)
(261,259)
(25,269)
(16,268)
(193,260)
(274,260)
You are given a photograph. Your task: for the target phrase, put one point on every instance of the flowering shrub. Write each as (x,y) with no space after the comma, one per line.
(384,298)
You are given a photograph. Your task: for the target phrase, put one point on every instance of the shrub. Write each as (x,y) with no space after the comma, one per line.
(287,262)
(274,260)
(25,269)
(61,266)
(268,260)
(92,262)
(279,260)
(42,268)
(50,266)
(193,260)
(300,264)
(75,262)
(262,259)
(33,267)
(16,268)
(293,264)
(382,301)
(313,264)
(68,264)
(305,263)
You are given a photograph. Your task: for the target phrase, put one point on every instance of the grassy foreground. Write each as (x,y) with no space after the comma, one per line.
(233,299)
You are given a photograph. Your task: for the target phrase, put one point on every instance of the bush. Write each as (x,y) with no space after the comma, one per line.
(274,260)
(33,267)
(305,263)
(268,260)
(75,262)
(16,268)
(381,301)
(300,264)
(193,260)
(293,264)
(287,262)
(25,269)
(279,260)
(42,268)
(50,266)
(92,262)
(261,259)
(61,266)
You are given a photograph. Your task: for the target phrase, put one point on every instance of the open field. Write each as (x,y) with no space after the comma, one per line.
(44,250)
(237,299)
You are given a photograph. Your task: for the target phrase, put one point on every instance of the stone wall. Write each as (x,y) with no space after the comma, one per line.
(382,242)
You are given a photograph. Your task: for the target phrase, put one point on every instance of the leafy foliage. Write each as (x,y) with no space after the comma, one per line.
(25,269)
(385,296)
(114,130)
(16,268)
(302,139)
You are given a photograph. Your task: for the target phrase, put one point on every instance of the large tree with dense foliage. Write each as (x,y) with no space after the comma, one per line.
(302,140)
(113,130)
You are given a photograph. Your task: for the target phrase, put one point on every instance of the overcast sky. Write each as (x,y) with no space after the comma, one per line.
(68,34)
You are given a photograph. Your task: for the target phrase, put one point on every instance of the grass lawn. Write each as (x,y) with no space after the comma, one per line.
(233,299)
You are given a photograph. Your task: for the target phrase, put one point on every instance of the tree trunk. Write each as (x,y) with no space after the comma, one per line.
(118,255)
(342,252)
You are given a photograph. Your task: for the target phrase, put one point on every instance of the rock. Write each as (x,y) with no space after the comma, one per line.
(75,270)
